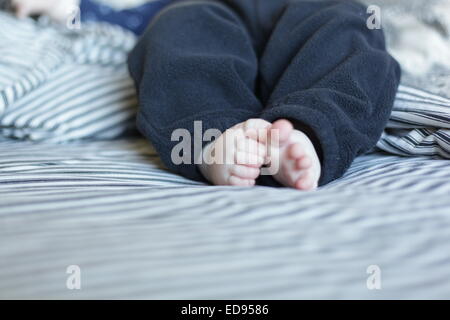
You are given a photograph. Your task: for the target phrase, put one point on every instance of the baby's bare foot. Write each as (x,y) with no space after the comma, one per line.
(236,157)
(58,10)
(295,157)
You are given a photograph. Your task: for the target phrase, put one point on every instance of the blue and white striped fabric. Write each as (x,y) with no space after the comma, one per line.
(57,85)
(419,125)
(137,231)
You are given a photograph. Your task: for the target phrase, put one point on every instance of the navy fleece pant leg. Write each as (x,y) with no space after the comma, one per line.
(325,70)
(195,62)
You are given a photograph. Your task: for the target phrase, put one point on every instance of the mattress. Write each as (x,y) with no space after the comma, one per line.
(136,231)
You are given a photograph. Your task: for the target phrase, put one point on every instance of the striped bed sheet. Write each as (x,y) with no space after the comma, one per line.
(137,231)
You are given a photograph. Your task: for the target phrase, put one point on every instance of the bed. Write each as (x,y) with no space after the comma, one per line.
(72,195)
(138,231)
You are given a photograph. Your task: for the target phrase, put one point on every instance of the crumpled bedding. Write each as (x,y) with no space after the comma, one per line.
(60,85)
(99,102)
(139,232)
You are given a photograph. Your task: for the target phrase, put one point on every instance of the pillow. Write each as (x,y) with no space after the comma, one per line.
(59,85)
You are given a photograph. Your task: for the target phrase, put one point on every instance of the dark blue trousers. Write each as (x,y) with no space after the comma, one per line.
(223,62)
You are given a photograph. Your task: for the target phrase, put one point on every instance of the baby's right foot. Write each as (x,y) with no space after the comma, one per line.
(236,157)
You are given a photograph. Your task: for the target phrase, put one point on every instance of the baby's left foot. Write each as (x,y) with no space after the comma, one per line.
(236,157)
(295,158)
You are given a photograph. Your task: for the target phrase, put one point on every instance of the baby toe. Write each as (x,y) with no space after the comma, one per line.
(256,124)
(305,183)
(245,172)
(304,163)
(239,182)
(252,146)
(248,159)
(252,134)
(296,151)
(281,131)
